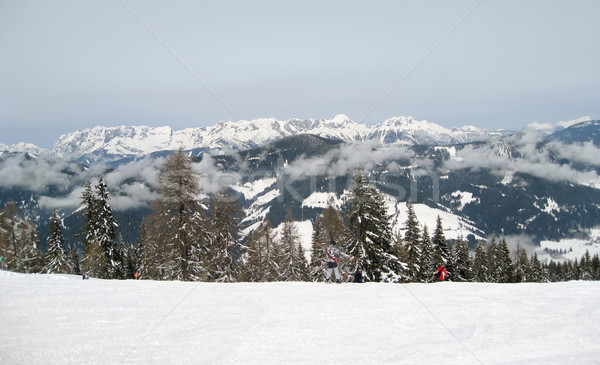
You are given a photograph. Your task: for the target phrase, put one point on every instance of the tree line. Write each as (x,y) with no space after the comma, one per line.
(191,239)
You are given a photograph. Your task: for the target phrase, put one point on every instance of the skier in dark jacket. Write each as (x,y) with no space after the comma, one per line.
(358,277)
(333,256)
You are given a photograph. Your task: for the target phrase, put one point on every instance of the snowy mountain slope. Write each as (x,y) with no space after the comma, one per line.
(22,147)
(585,131)
(263,193)
(106,143)
(61,319)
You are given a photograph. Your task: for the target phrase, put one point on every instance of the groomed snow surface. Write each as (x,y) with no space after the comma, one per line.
(61,319)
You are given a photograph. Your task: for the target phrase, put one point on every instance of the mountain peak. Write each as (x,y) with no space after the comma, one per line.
(115,142)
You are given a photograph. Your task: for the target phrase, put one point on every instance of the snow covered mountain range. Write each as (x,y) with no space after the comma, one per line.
(108,143)
(545,185)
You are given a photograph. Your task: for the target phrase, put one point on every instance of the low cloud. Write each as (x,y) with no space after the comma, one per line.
(37,174)
(71,200)
(345,159)
(527,153)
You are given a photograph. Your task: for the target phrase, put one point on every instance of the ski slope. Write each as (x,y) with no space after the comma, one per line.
(61,319)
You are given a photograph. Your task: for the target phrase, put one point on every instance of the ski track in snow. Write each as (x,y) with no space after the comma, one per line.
(61,319)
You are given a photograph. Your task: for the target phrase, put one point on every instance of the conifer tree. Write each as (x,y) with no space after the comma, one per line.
(293,263)
(334,223)
(101,257)
(74,261)
(585,266)
(92,261)
(521,269)
(492,261)
(19,241)
(272,253)
(180,232)
(56,259)
(441,247)
(32,258)
(106,232)
(263,256)
(370,242)
(462,262)
(123,257)
(413,246)
(253,265)
(536,274)
(149,253)
(504,267)
(427,256)
(320,239)
(11,250)
(595,264)
(225,243)
(480,264)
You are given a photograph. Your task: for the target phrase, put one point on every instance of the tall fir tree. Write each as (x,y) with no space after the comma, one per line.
(263,258)
(293,264)
(10,247)
(413,245)
(536,274)
(106,232)
(101,256)
(179,231)
(334,223)
(522,268)
(320,240)
(370,242)
(57,260)
(492,260)
(441,247)
(93,255)
(504,267)
(19,241)
(225,247)
(480,264)
(253,268)
(73,257)
(462,261)
(149,252)
(427,256)
(32,257)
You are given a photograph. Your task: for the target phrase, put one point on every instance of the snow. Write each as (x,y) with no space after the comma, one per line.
(574,248)
(454,225)
(61,319)
(551,206)
(305,232)
(252,189)
(465,198)
(320,200)
(246,134)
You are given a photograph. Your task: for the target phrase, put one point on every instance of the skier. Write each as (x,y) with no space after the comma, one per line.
(86,276)
(358,278)
(441,273)
(333,255)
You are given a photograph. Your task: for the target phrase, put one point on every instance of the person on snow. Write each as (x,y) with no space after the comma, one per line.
(441,273)
(358,278)
(333,256)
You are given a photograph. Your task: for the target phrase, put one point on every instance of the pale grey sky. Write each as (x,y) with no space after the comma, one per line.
(67,65)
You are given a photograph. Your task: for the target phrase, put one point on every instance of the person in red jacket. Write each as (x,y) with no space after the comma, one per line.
(333,256)
(441,273)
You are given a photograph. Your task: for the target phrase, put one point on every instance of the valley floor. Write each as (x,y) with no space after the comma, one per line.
(61,319)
